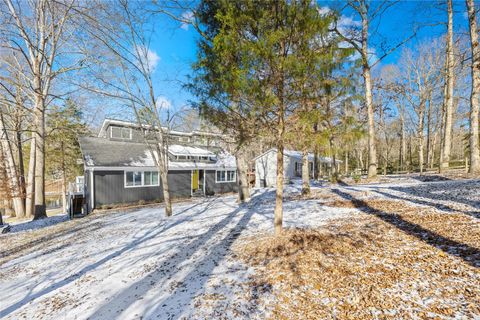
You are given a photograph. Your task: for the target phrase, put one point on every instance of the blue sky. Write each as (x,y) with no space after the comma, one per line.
(175,44)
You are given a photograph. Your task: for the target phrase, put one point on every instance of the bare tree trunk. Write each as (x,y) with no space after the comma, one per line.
(403,143)
(442,129)
(316,165)
(410,153)
(166,193)
(64,180)
(31,180)
(346,163)
(161,145)
(475,93)
(433,147)
(420,135)
(360,158)
(429,132)
(40,211)
(21,166)
(372,151)
(243,185)
(305,173)
(278,212)
(447,135)
(11,170)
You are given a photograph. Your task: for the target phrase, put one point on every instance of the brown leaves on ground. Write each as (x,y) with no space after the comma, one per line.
(394,262)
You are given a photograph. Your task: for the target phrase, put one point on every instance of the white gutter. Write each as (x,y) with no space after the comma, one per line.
(156,168)
(93,187)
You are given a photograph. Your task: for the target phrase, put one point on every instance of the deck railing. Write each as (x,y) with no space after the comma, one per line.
(75,188)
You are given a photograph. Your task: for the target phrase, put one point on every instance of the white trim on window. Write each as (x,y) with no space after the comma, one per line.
(142,179)
(226,174)
(121,135)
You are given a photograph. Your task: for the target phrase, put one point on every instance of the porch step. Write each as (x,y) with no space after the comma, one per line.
(198,193)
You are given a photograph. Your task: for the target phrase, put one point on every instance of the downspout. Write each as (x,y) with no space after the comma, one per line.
(93,188)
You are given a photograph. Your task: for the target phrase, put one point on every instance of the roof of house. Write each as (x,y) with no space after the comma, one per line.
(179,150)
(101,152)
(107,122)
(298,155)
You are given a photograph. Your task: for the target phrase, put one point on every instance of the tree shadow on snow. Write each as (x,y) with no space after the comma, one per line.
(430,197)
(150,234)
(193,283)
(470,255)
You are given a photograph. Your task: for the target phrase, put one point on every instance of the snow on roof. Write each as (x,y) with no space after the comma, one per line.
(100,152)
(178,150)
(224,161)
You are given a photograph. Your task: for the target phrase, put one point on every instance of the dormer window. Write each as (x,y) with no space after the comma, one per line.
(184,139)
(120,133)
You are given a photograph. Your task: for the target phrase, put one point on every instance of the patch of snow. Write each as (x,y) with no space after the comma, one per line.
(37,224)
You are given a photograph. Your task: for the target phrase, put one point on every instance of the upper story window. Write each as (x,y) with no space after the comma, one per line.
(184,139)
(120,133)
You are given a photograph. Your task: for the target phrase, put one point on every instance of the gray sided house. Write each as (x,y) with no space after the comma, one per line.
(119,167)
(266,166)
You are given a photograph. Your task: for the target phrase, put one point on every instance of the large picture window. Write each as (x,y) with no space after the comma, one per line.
(225,176)
(120,133)
(141,179)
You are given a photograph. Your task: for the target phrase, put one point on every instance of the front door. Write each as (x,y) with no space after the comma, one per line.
(195,177)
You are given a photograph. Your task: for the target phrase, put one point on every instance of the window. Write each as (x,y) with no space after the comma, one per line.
(120,133)
(150,178)
(141,179)
(133,179)
(184,139)
(225,176)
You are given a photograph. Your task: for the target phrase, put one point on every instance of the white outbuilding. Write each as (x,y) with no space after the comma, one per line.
(266,166)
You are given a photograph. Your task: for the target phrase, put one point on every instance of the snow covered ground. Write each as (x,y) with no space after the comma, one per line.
(141,265)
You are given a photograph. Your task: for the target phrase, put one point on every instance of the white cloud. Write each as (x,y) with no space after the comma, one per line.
(324,10)
(346,22)
(151,57)
(187,16)
(163,103)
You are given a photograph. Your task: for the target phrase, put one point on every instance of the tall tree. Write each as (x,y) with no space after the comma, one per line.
(475,93)
(35,29)
(220,84)
(260,43)
(64,124)
(422,73)
(124,70)
(448,91)
(11,168)
(368,11)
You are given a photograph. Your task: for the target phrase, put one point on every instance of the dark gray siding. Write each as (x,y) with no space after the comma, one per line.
(88,191)
(180,183)
(213,188)
(110,189)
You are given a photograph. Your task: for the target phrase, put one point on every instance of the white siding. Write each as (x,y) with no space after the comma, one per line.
(266,169)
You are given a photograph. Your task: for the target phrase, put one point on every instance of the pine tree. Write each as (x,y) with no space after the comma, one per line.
(252,58)
(64,126)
